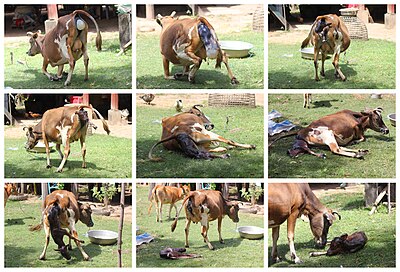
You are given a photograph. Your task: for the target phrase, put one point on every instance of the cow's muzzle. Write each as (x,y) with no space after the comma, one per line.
(385,130)
(320,243)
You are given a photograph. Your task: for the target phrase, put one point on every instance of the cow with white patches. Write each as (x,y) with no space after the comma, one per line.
(337,130)
(62,126)
(187,42)
(62,211)
(328,35)
(190,133)
(64,44)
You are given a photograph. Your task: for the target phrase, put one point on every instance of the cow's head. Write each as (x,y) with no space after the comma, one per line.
(336,245)
(35,48)
(206,121)
(31,138)
(164,21)
(85,214)
(233,211)
(375,120)
(186,190)
(320,224)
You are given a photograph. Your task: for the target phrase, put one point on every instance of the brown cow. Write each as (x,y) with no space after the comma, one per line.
(190,133)
(204,206)
(337,130)
(62,210)
(64,44)
(187,42)
(9,189)
(328,35)
(287,202)
(167,195)
(63,125)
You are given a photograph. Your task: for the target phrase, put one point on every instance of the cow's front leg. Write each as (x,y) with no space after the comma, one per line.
(85,61)
(323,58)
(166,68)
(44,71)
(46,144)
(316,52)
(234,81)
(204,231)
(60,71)
(187,226)
(83,151)
(291,223)
(72,229)
(219,230)
(65,157)
(46,243)
(185,72)
(274,251)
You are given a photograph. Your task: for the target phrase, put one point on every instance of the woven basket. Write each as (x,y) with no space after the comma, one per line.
(357,29)
(231,100)
(258,19)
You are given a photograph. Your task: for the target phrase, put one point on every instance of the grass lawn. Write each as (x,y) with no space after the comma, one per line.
(106,70)
(249,71)
(106,157)
(246,126)
(240,252)
(380,228)
(363,66)
(380,162)
(23,247)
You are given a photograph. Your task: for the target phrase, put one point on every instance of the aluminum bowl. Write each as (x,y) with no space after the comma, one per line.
(308,53)
(102,237)
(251,232)
(41,148)
(392,118)
(236,49)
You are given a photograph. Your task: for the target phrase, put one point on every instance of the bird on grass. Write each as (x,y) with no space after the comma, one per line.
(147,98)
(178,105)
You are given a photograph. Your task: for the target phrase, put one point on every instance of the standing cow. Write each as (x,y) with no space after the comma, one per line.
(187,42)
(64,44)
(63,125)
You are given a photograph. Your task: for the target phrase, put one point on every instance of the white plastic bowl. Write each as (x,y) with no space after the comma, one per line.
(102,237)
(41,148)
(236,49)
(392,118)
(251,232)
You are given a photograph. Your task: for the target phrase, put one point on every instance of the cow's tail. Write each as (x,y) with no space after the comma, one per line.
(307,40)
(99,40)
(105,125)
(151,198)
(209,38)
(175,223)
(37,227)
(150,156)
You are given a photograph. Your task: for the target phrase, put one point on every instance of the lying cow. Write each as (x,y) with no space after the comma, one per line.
(167,195)
(328,35)
(187,42)
(62,210)
(204,206)
(190,133)
(64,44)
(336,130)
(63,125)
(345,244)
(289,201)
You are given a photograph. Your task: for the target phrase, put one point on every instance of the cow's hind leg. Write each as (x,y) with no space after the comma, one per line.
(83,151)
(74,234)
(233,79)
(60,72)
(219,230)
(166,68)
(46,144)
(274,251)
(44,71)
(323,58)
(338,72)
(190,149)
(185,72)
(187,226)
(211,136)
(291,223)
(46,243)
(316,52)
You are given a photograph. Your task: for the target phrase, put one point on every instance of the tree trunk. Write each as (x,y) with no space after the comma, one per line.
(121,224)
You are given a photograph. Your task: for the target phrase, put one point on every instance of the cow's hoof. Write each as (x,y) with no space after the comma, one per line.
(67,83)
(59,170)
(317,79)
(178,75)
(42,258)
(252,146)
(86,79)
(48,166)
(54,78)
(234,81)
(187,246)
(276,260)
(222,241)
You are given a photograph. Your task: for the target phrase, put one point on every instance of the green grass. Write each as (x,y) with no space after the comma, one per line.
(246,126)
(380,162)
(106,157)
(23,247)
(106,70)
(380,228)
(236,252)
(249,71)
(367,65)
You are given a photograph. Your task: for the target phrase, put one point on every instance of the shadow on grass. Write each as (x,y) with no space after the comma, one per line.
(205,79)
(16,221)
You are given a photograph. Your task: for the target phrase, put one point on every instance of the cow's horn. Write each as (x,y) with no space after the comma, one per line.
(334,212)
(173,13)
(159,17)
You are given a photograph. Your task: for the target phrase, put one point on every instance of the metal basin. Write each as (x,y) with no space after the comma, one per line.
(41,148)
(251,232)
(308,53)
(236,49)
(392,118)
(102,237)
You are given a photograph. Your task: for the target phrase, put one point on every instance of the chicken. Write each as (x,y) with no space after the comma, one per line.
(178,105)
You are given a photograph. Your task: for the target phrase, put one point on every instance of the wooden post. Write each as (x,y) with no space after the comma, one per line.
(114,101)
(45,192)
(121,224)
(50,23)
(150,14)
(85,99)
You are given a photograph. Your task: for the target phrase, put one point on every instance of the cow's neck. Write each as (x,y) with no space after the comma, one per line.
(365,123)
(313,205)
(39,40)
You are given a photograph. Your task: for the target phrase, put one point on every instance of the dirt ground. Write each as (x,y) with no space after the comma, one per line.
(168,100)
(324,189)
(300,32)
(223,18)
